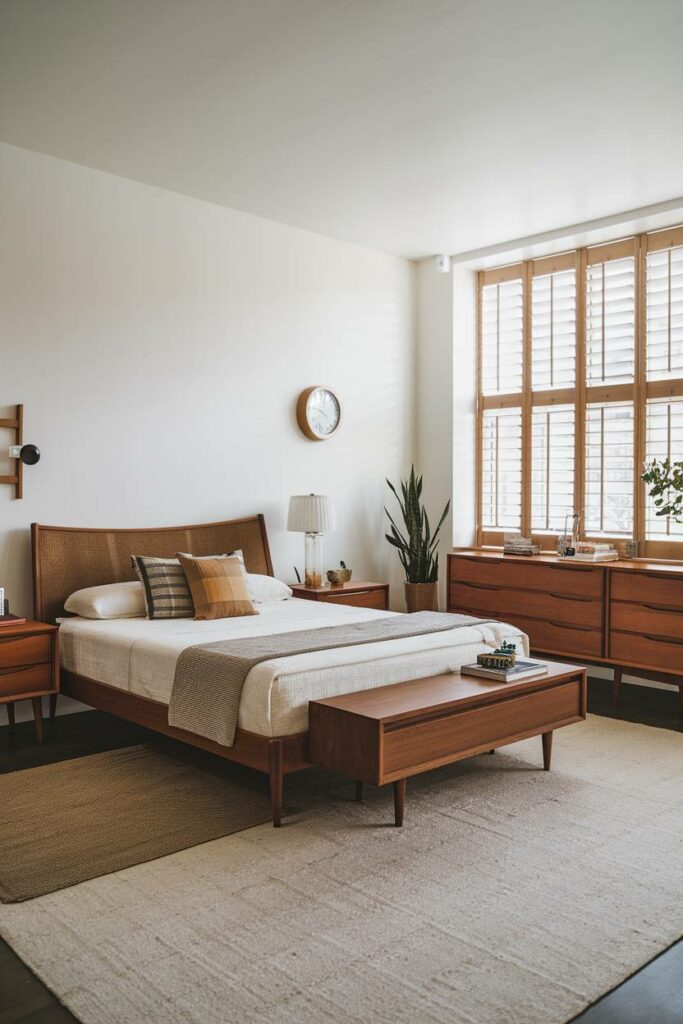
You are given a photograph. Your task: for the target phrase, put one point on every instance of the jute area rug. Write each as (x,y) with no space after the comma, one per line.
(511,896)
(74,820)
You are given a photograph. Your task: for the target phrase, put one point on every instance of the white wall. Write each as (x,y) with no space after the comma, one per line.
(159,344)
(446,402)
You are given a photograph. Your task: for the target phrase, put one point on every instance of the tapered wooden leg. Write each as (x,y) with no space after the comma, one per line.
(491,751)
(10,718)
(616,687)
(38,716)
(276,780)
(547,739)
(53,704)
(399,801)
(359,792)
(680,699)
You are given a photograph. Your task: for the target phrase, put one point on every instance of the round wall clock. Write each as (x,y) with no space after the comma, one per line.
(318,413)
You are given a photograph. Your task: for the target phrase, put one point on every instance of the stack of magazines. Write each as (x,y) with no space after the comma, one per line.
(522,669)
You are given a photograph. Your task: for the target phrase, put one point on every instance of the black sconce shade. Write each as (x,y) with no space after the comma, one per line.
(29,454)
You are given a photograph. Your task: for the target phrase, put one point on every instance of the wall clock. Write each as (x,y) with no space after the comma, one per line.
(318,413)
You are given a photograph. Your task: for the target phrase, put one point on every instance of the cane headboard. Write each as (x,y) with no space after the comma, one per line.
(68,558)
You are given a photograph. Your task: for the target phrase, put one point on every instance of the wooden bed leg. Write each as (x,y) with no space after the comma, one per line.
(276,780)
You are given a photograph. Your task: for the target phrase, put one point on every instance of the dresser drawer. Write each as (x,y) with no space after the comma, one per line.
(648,651)
(503,603)
(580,581)
(642,618)
(364,599)
(25,650)
(26,680)
(555,637)
(647,588)
(408,746)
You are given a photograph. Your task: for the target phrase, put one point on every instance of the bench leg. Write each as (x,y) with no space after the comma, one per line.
(399,801)
(276,780)
(547,739)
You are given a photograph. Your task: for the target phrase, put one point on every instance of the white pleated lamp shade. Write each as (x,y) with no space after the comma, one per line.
(311,513)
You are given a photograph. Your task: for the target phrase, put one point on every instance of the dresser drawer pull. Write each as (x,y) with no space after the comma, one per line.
(478,586)
(571,597)
(562,625)
(663,608)
(662,640)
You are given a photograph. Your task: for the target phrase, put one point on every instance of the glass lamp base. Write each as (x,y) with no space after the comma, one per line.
(314,560)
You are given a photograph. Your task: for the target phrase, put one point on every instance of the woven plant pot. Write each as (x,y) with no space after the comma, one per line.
(422,597)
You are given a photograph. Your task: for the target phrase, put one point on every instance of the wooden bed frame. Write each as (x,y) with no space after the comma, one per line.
(66,559)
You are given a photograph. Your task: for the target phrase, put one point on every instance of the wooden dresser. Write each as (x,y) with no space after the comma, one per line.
(627,614)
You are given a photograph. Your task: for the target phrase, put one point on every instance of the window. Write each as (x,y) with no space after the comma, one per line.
(581,382)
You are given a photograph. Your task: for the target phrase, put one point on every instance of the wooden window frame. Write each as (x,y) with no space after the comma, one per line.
(581,395)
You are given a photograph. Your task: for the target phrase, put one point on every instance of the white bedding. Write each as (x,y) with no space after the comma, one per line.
(140,656)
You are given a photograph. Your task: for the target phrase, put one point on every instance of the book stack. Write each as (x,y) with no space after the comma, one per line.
(522,669)
(592,551)
(11,620)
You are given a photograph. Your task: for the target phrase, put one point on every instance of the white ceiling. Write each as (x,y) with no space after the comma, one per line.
(411,126)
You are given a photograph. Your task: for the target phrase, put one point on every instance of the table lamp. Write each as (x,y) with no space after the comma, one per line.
(312,514)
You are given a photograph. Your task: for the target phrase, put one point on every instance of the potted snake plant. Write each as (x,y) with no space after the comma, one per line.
(416,544)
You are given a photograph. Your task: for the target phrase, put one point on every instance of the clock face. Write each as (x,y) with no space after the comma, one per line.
(323,412)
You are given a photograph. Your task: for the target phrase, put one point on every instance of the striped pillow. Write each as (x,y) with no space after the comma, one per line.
(218,586)
(167,595)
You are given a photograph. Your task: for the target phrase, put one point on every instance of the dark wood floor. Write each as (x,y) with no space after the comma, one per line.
(653,994)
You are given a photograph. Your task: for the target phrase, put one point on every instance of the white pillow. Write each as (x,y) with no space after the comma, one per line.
(266,588)
(111,601)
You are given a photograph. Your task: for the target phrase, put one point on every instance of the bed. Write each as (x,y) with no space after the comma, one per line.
(126,666)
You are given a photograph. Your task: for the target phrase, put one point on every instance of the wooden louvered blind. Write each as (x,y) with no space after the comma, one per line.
(581,381)
(502,469)
(553,330)
(501,337)
(609,469)
(664,441)
(552,466)
(664,301)
(610,322)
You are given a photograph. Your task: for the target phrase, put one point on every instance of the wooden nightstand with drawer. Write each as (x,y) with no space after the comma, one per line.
(358,595)
(29,667)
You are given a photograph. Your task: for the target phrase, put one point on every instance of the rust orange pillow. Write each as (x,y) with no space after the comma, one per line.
(218,586)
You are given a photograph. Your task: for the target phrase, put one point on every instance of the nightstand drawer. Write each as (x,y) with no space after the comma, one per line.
(25,650)
(26,680)
(364,599)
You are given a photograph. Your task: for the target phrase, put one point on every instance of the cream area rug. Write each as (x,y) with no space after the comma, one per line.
(511,896)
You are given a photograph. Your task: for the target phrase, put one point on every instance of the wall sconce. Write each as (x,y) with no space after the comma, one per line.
(25,454)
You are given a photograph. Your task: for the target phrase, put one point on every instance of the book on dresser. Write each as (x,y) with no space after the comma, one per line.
(522,669)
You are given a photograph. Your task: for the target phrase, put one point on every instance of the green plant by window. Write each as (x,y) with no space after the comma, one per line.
(665,486)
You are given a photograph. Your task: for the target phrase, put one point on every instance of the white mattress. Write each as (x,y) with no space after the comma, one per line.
(140,656)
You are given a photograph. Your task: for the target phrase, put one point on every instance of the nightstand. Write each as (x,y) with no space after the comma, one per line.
(29,667)
(359,595)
